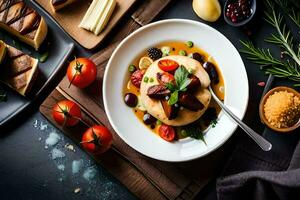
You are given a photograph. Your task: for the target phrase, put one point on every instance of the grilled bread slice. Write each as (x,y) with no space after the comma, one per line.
(22,21)
(59,4)
(17,70)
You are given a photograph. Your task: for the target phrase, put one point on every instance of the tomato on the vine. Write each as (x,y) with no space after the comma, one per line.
(66,113)
(82,72)
(97,139)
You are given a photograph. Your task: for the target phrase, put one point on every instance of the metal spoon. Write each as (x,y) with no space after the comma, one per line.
(262,142)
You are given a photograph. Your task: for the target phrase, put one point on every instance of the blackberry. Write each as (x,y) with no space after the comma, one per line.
(154,53)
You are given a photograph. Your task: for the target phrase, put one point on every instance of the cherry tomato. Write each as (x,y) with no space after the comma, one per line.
(66,112)
(97,139)
(168,65)
(82,72)
(164,78)
(166,132)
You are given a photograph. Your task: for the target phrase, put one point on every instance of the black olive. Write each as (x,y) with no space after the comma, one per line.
(149,119)
(198,57)
(212,72)
(131,100)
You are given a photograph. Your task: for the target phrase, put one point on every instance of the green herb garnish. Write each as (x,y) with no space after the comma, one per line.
(44,57)
(213,123)
(151,80)
(195,132)
(182,81)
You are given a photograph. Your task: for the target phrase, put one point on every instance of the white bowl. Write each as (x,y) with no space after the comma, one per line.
(134,132)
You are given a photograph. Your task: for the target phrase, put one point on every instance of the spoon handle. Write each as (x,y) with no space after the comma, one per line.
(262,142)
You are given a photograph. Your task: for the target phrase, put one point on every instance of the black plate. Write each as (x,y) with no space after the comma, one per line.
(59,47)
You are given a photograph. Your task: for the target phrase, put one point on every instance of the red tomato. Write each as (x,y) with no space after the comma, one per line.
(166,132)
(164,78)
(82,72)
(66,113)
(97,139)
(168,65)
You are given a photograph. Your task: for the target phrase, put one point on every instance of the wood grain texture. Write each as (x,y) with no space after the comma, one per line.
(70,17)
(149,10)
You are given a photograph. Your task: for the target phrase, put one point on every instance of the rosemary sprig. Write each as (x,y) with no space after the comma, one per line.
(259,56)
(288,68)
(283,37)
(289,9)
(270,64)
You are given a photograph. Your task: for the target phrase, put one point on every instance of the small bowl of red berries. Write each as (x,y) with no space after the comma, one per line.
(239,12)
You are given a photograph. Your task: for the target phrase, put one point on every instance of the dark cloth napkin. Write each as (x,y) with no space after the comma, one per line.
(254,174)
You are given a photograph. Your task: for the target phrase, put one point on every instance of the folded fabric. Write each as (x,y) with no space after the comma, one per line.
(254,174)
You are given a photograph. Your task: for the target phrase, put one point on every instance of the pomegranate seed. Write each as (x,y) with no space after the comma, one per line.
(261,84)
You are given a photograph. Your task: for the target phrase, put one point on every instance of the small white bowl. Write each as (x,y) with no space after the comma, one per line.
(136,134)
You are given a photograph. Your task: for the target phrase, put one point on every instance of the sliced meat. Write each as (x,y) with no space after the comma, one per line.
(164,78)
(190,102)
(170,111)
(158,91)
(195,83)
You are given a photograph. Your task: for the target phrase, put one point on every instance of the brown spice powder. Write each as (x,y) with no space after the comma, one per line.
(282,109)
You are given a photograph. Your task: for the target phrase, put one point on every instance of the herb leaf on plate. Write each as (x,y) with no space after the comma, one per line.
(195,132)
(173,98)
(182,82)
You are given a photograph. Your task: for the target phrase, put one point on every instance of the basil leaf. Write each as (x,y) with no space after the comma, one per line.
(173,98)
(183,86)
(171,87)
(181,74)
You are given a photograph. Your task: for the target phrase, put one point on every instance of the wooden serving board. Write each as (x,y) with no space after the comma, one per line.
(70,17)
(145,177)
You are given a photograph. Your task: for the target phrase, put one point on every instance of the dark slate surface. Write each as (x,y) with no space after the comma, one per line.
(27,170)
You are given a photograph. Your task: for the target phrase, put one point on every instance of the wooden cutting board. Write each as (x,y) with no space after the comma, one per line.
(70,17)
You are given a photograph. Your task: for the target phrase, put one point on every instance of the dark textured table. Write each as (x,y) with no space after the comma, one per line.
(28,169)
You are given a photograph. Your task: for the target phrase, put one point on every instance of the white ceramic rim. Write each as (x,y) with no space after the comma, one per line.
(240,113)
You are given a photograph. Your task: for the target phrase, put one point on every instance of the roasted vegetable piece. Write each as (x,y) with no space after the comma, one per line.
(170,111)
(158,91)
(190,102)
